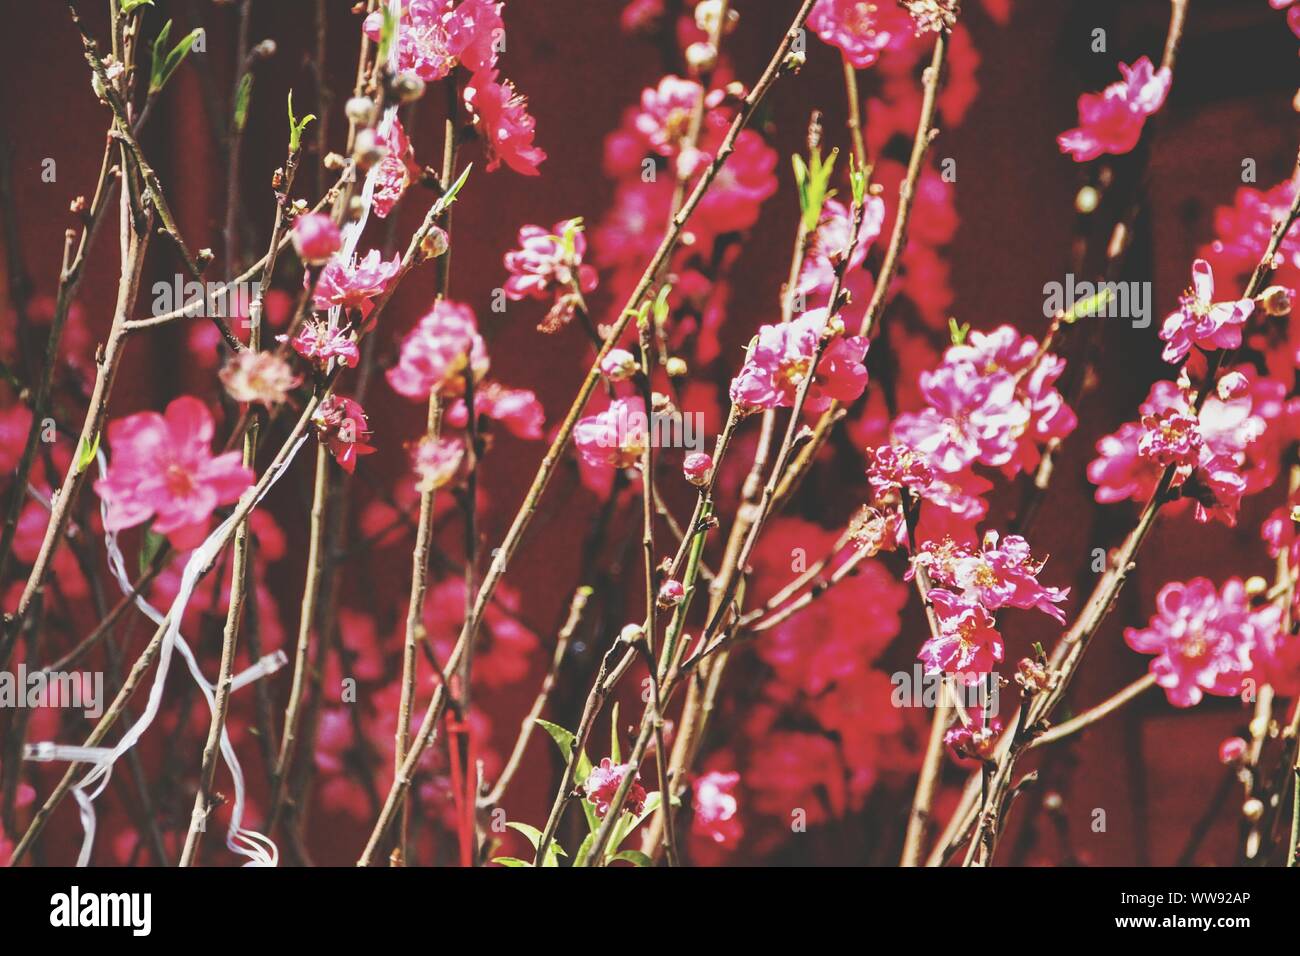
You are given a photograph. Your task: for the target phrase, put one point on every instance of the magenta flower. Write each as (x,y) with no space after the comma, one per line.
(665,115)
(715,805)
(671,593)
(860,28)
(319,344)
(395,171)
(972,417)
(516,408)
(501,117)
(614,438)
(968,646)
(436,461)
(1112,121)
(548,265)
(1119,471)
(1202,639)
(781,357)
(342,425)
(434,35)
(601,786)
(315,238)
(1201,321)
(352,285)
(162,468)
(1003,574)
(437,352)
(890,467)
(834,231)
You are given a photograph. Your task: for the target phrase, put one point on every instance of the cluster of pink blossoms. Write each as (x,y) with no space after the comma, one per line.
(782,357)
(1229,449)
(972,583)
(433,38)
(1208,641)
(548,265)
(1111,121)
(437,354)
(992,401)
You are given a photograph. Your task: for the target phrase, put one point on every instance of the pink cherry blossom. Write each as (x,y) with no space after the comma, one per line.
(1112,121)
(999,574)
(781,357)
(1201,321)
(831,239)
(601,786)
(259,377)
(436,461)
(501,117)
(518,409)
(1202,638)
(353,285)
(342,425)
(968,645)
(162,468)
(395,171)
(615,437)
(315,238)
(319,344)
(716,807)
(971,417)
(860,28)
(665,115)
(548,265)
(436,353)
(435,35)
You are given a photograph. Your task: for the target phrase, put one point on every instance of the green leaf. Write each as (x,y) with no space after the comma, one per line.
(296,126)
(130,5)
(164,63)
(635,857)
(957,333)
(857,181)
(534,836)
(614,753)
(564,740)
(1087,307)
(86,453)
(813,179)
(387,31)
(661,309)
(582,850)
(510,861)
(149,548)
(243,96)
(449,196)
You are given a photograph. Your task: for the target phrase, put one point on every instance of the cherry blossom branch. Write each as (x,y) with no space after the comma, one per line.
(522,519)
(918,817)
(1074,643)
(1094,714)
(925,135)
(150,653)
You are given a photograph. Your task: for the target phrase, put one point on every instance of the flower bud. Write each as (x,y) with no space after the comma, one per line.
(631,634)
(618,366)
(671,593)
(701,57)
(366,151)
(361,110)
(408,87)
(675,367)
(1232,750)
(315,238)
(698,468)
(1275,301)
(435,242)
